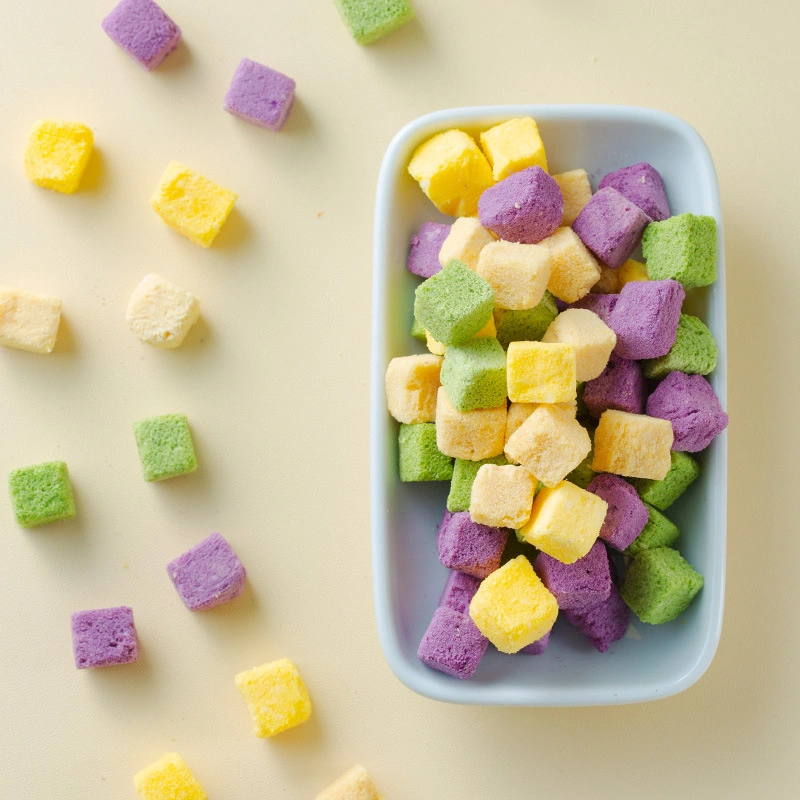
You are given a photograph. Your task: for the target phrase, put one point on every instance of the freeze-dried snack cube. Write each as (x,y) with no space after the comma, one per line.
(468,546)
(619,386)
(28,321)
(528,326)
(276,697)
(612,280)
(191,204)
(465,241)
(436,348)
(583,474)
(161,313)
(41,494)
(474,374)
(165,447)
(573,269)
(168,779)
(541,373)
(603,623)
(582,584)
(626,515)
(452,171)
(641,184)
(260,94)
(419,457)
(519,412)
(464,472)
(662,494)
(355,784)
(459,591)
(512,146)
(589,336)
(418,331)
(472,435)
(518,273)
(143,30)
(425,246)
(452,644)
(538,647)
(694,351)
(683,248)
(411,386)
(57,154)
(632,445)
(369,20)
(659,531)
(104,637)
(576,191)
(502,496)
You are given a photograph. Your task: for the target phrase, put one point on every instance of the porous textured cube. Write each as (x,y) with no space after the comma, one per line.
(260,94)
(528,326)
(538,647)
(600,304)
(160,313)
(468,546)
(694,351)
(519,412)
(276,697)
(689,403)
(540,372)
(502,496)
(169,778)
(454,304)
(191,204)
(576,191)
(524,207)
(590,337)
(165,447)
(452,644)
(632,445)
(464,242)
(104,637)
(583,474)
(435,348)
(41,494)
(57,154)
(573,269)
(518,273)
(28,321)
(418,455)
(452,172)
(565,522)
(659,585)
(355,784)
(643,185)
(662,494)
(471,435)
(143,30)
(514,145)
(370,20)
(411,386)
(474,374)
(683,248)
(612,280)
(659,531)
(458,591)
(512,607)
(208,575)
(581,584)
(626,515)
(418,332)
(464,472)
(619,386)
(424,249)
(611,226)
(604,623)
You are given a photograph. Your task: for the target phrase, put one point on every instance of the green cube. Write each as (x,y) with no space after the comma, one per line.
(165,447)
(474,374)
(41,494)
(464,473)
(525,326)
(662,494)
(420,458)
(454,304)
(368,20)
(659,585)
(683,248)
(694,351)
(418,331)
(659,531)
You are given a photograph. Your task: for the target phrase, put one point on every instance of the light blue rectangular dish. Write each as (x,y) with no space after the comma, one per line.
(651,661)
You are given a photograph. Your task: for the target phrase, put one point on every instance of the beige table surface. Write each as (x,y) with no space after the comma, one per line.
(274,380)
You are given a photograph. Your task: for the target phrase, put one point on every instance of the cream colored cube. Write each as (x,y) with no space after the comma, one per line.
(518,273)
(573,269)
(411,386)
(565,522)
(519,412)
(550,444)
(355,784)
(502,497)
(28,321)
(437,348)
(576,191)
(161,313)
(540,373)
(512,146)
(590,337)
(471,435)
(633,445)
(465,241)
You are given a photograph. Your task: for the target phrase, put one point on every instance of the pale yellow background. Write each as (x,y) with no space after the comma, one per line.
(274,381)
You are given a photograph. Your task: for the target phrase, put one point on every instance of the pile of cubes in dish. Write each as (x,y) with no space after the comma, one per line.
(562,397)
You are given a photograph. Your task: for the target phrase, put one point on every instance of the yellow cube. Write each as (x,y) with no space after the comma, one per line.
(632,271)
(573,269)
(276,696)
(411,386)
(513,146)
(591,338)
(452,171)
(612,280)
(355,784)
(512,607)
(541,373)
(57,154)
(565,522)
(28,321)
(633,445)
(465,241)
(471,435)
(550,443)
(168,779)
(518,273)
(502,496)
(191,204)
(576,191)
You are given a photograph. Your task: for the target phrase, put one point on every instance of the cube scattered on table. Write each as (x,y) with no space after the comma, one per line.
(191,204)
(474,374)
(160,313)
(464,474)
(458,591)
(573,269)
(682,248)
(469,547)
(411,386)
(659,531)
(626,515)
(424,249)
(576,191)
(541,373)
(662,494)
(517,273)
(143,30)
(584,583)
(603,623)
(208,575)
(694,351)
(529,326)
(619,386)
(28,321)
(419,456)
(165,446)
(370,20)
(502,496)
(512,146)
(471,435)
(452,644)
(104,637)
(465,241)
(41,494)
(632,445)
(355,784)
(276,697)
(643,185)
(590,337)
(57,154)
(260,94)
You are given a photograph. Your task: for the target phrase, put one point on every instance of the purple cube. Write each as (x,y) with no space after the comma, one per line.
(689,403)
(646,317)
(600,304)
(627,514)
(144,30)
(620,386)
(642,185)
(611,226)
(103,637)
(260,95)
(452,644)
(579,585)
(603,623)
(459,591)
(208,575)
(524,207)
(469,547)
(423,257)
(538,647)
